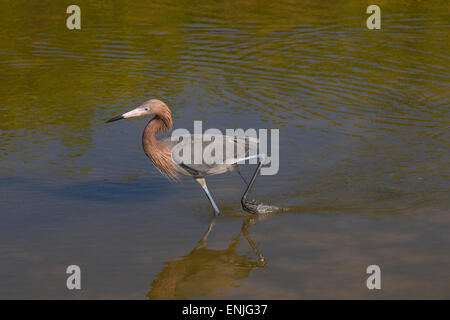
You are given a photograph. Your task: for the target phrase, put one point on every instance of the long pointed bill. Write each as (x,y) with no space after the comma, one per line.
(130,114)
(115,119)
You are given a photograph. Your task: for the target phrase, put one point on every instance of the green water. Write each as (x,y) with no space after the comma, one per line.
(364,149)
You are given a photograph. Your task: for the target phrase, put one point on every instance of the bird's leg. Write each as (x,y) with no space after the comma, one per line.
(240,174)
(247,206)
(202,182)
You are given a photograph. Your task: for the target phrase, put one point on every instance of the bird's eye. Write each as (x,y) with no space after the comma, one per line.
(146,109)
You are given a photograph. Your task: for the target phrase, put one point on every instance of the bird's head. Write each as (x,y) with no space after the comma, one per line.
(149,107)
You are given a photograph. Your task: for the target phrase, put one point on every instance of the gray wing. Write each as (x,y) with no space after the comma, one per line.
(234,148)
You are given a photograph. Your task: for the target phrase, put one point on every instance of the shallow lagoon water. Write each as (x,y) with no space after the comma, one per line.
(363,118)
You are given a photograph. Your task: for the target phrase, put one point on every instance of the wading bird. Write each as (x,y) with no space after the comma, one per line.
(160,152)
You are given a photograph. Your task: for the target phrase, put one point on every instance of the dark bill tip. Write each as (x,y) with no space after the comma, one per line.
(114,119)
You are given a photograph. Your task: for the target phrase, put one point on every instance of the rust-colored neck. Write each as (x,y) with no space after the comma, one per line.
(159,154)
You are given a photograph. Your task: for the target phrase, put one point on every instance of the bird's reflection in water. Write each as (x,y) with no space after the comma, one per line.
(207,272)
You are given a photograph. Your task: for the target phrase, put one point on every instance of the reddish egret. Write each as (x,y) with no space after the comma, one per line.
(160,151)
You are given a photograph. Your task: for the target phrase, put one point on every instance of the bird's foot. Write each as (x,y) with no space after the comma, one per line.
(250,206)
(257,207)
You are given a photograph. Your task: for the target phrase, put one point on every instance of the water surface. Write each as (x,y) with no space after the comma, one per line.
(364,130)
